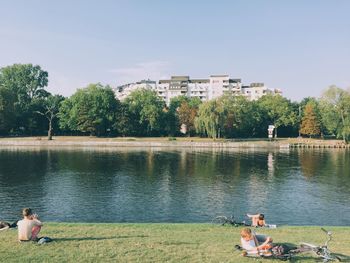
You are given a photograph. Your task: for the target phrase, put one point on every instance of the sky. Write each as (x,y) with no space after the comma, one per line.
(301,47)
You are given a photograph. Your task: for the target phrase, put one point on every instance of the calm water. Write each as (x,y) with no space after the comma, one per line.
(295,187)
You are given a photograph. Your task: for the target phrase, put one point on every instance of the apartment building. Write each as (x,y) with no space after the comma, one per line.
(205,89)
(123,91)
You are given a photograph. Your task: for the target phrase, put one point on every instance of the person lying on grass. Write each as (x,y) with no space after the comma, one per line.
(29,227)
(255,244)
(6,225)
(258,220)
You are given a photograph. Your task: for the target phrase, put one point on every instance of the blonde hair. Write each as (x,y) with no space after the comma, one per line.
(246,232)
(27,212)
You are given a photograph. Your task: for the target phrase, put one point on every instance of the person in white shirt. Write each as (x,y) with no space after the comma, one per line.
(255,244)
(29,227)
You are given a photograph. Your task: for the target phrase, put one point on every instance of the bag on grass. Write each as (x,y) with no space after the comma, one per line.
(44,240)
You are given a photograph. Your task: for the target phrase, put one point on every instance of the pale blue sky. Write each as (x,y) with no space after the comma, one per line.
(299,46)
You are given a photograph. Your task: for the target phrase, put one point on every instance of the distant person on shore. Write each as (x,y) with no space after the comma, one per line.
(29,227)
(5,225)
(258,220)
(255,244)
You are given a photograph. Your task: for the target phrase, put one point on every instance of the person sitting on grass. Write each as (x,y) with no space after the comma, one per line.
(255,244)
(29,227)
(258,220)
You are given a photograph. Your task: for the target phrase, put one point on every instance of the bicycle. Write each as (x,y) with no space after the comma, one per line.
(321,251)
(223,220)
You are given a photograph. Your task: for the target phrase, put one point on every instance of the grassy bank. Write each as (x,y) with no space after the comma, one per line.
(154,243)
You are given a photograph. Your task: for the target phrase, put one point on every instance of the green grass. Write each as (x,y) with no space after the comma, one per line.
(154,243)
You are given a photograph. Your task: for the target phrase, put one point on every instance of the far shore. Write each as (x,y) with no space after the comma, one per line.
(181,142)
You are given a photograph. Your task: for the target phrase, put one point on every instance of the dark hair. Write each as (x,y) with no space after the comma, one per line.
(261,217)
(27,212)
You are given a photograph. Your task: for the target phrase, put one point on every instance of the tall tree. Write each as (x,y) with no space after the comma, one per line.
(92,110)
(187,115)
(7,110)
(335,110)
(49,108)
(26,82)
(210,120)
(147,112)
(277,111)
(310,124)
(172,117)
(241,117)
(124,122)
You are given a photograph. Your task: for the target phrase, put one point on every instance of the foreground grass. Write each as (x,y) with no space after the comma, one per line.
(154,243)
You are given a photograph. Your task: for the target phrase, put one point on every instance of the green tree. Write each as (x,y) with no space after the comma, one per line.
(26,82)
(7,110)
(146,112)
(91,110)
(49,108)
(124,120)
(241,117)
(310,124)
(335,110)
(277,110)
(172,118)
(210,119)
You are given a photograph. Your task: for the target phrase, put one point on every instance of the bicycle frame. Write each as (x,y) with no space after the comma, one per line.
(223,220)
(320,251)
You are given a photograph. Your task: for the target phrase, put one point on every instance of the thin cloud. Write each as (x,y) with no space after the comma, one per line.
(153,70)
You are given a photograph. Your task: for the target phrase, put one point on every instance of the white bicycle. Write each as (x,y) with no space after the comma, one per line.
(321,251)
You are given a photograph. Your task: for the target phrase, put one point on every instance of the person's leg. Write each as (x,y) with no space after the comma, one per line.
(250,215)
(35,232)
(254,218)
(261,238)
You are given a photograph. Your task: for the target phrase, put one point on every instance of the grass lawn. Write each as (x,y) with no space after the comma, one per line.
(155,243)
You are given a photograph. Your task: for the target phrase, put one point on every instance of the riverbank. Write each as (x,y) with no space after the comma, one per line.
(180,142)
(154,243)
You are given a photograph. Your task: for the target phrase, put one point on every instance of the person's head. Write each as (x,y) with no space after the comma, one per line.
(261,217)
(246,234)
(27,212)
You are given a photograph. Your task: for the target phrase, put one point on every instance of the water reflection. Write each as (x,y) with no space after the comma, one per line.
(175,185)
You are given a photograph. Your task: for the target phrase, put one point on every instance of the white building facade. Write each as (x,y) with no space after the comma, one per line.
(204,89)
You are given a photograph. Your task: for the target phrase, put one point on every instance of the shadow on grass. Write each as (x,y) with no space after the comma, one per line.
(309,257)
(306,256)
(298,257)
(344,258)
(64,239)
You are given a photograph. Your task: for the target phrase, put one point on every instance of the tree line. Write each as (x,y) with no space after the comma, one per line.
(27,109)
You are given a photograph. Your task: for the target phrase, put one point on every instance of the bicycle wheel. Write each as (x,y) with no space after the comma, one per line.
(308,247)
(331,257)
(220,220)
(241,224)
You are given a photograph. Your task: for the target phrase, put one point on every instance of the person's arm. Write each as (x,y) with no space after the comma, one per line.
(267,241)
(37,222)
(4,228)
